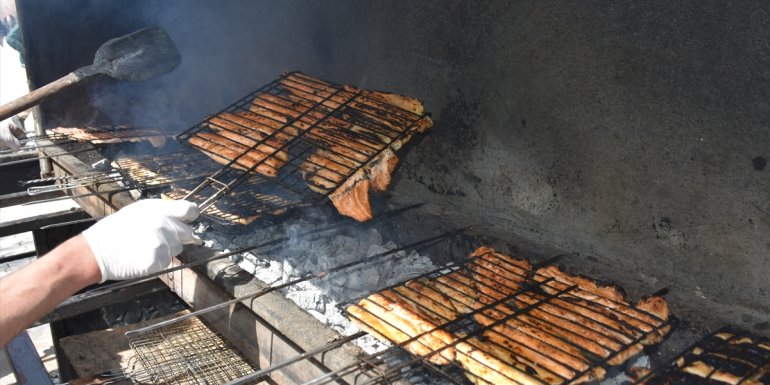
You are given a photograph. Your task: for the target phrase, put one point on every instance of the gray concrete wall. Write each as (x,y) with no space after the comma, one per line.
(633,131)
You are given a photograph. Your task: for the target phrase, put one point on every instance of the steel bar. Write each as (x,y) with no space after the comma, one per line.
(141,186)
(67,223)
(28,160)
(76,183)
(113,191)
(76,305)
(343,223)
(321,349)
(22,197)
(24,183)
(292,282)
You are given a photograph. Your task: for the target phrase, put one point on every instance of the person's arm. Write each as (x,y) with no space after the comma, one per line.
(33,291)
(138,240)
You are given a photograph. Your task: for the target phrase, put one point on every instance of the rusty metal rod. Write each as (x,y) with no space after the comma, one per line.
(113,191)
(45,157)
(292,282)
(124,284)
(23,183)
(321,349)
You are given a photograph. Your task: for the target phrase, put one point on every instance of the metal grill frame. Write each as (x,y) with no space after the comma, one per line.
(415,363)
(300,145)
(188,353)
(674,370)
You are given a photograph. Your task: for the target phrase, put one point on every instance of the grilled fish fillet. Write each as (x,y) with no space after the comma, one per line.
(743,360)
(608,305)
(388,315)
(351,198)
(217,148)
(481,367)
(380,172)
(721,358)
(240,129)
(81,134)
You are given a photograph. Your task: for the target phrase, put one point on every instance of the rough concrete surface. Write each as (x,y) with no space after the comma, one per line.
(636,133)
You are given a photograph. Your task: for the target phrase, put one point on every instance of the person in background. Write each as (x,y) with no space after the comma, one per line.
(13,36)
(11,129)
(139,239)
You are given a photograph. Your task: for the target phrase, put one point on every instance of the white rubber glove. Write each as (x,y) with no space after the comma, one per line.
(141,238)
(7,139)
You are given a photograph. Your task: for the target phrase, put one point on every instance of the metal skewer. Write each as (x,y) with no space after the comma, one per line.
(124,284)
(29,160)
(321,349)
(292,282)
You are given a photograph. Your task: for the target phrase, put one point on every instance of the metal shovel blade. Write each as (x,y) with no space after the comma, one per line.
(139,56)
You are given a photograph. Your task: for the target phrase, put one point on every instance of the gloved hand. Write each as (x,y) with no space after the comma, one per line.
(141,238)
(7,137)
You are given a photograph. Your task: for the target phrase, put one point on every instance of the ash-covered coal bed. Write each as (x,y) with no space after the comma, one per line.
(302,255)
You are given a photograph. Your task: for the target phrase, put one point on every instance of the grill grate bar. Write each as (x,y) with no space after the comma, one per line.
(273,242)
(307,277)
(188,353)
(322,349)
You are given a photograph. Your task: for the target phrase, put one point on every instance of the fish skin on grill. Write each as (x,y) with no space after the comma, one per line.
(353,142)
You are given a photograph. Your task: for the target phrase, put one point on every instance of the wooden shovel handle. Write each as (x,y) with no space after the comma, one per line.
(36,96)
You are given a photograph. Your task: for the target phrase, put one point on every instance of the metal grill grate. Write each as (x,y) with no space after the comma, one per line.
(520,328)
(164,169)
(188,353)
(303,134)
(728,356)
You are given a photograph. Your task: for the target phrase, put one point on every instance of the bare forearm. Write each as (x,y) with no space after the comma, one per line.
(32,292)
